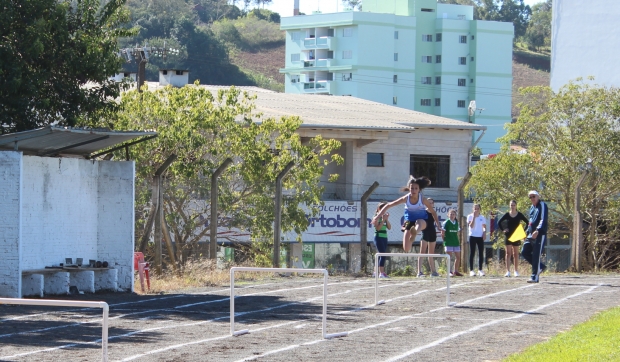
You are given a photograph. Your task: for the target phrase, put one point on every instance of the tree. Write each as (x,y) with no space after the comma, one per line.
(513,11)
(55,60)
(203,129)
(353,4)
(561,132)
(538,31)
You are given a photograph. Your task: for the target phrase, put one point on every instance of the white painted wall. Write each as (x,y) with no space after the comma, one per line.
(10,227)
(64,208)
(584,41)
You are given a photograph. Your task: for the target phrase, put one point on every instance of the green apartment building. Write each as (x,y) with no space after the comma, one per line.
(416,54)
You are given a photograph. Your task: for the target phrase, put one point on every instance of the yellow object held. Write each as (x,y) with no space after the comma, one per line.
(519,234)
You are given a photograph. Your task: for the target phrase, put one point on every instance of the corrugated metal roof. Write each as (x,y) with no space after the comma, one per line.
(343,112)
(54,140)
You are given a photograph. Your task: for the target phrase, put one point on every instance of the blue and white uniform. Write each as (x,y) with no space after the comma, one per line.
(415,211)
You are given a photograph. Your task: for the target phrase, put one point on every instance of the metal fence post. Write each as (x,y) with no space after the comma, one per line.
(277,225)
(214,193)
(364,227)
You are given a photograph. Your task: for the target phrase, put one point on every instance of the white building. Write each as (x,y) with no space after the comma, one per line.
(173,77)
(420,55)
(584,42)
(56,204)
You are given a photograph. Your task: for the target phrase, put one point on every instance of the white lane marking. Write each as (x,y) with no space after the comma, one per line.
(177,326)
(480,326)
(98,319)
(374,325)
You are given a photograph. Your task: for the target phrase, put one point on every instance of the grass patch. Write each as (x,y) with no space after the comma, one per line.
(595,340)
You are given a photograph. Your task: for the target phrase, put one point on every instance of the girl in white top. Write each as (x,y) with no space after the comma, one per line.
(477,231)
(415,209)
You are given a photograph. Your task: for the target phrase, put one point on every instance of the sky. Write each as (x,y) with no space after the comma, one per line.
(285,7)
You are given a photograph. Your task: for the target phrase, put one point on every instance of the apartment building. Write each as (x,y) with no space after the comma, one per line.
(416,54)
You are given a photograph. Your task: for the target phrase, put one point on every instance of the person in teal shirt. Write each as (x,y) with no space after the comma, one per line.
(382,225)
(450,234)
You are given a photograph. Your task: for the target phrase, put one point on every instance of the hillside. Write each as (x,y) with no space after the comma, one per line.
(528,69)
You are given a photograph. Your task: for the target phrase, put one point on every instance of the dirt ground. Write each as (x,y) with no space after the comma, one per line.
(493,318)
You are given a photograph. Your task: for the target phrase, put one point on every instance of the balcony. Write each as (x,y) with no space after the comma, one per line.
(318,63)
(321,86)
(324,42)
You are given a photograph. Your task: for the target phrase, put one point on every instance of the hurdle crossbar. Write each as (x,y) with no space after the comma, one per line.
(70,303)
(377,255)
(279,270)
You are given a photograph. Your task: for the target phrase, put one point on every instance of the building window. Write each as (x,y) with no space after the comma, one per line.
(425,102)
(427,37)
(437,80)
(295,57)
(395,57)
(437,58)
(346,77)
(460,104)
(374,159)
(179,72)
(472,37)
(462,60)
(438,37)
(396,34)
(164,72)
(462,82)
(472,59)
(426,10)
(347,32)
(426,80)
(460,17)
(347,54)
(471,80)
(395,78)
(394,100)
(294,78)
(437,168)
(437,102)
(463,39)
(427,59)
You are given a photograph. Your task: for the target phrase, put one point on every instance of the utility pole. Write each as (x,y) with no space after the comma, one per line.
(277,225)
(364,226)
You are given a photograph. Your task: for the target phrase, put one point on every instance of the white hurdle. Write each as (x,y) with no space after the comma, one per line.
(70,303)
(279,270)
(447,256)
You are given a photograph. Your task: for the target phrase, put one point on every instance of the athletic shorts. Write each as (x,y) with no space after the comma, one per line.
(429,234)
(453,249)
(513,243)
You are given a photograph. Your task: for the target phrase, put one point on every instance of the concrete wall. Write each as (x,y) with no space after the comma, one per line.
(584,39)
(115,228)
(57,208)
(10,227)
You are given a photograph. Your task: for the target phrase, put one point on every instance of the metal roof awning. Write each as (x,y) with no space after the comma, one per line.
(67,141)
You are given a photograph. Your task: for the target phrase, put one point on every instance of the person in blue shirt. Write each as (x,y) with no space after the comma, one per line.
(536,235)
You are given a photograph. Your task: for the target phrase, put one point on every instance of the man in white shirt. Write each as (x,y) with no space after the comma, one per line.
(477,231)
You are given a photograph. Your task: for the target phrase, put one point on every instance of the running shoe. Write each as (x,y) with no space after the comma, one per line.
(516,273)
(451,274)
(532,280)
(507,275)
(472,273)
(383,276)
(481,273)
(421,275)
(458,274)
(434,274)
(374,275)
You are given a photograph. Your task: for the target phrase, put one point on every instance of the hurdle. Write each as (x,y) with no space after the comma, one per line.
(447,256)
(70,303)
(279,270)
